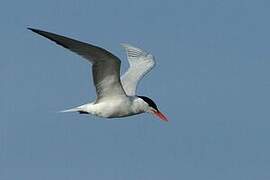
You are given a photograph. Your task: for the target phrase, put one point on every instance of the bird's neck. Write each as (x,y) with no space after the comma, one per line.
(138,105)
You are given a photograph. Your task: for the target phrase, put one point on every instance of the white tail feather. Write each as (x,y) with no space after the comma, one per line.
(76,109)
(71,110)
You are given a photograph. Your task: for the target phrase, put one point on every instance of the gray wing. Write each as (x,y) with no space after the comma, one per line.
(140,63)
(105,66)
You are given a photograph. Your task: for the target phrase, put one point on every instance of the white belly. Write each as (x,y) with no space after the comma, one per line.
(112,108)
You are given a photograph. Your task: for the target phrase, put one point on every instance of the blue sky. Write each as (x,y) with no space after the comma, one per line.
(211,79)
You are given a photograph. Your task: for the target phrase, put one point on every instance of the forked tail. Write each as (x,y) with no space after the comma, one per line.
(80,109)
(71,110)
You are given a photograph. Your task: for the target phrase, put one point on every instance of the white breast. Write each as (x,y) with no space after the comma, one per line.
(117,107)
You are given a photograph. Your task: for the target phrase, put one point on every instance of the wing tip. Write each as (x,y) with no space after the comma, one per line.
(33,29)
(38,31)
(133,51)
(50,36)
(125,45)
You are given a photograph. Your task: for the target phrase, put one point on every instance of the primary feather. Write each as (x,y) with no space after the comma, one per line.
(140,63)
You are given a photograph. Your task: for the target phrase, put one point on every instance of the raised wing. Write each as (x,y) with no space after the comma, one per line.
(106,66)
(140,63)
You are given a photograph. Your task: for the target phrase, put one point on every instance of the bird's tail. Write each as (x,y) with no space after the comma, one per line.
(70,110)
(76,109)
(79,109)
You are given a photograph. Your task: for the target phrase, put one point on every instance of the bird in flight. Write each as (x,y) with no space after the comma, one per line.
(116,96)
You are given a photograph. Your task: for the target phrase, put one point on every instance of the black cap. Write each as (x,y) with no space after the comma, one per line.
(149,101)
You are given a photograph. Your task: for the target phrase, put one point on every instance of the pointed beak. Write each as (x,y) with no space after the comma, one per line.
(160,115)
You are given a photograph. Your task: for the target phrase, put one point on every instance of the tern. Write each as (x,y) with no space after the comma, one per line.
(116,96)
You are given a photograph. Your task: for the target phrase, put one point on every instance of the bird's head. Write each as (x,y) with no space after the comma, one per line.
(152,108)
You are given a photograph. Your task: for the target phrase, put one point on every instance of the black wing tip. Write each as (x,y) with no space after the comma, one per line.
(35,30)
(49,35)
(32,29)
